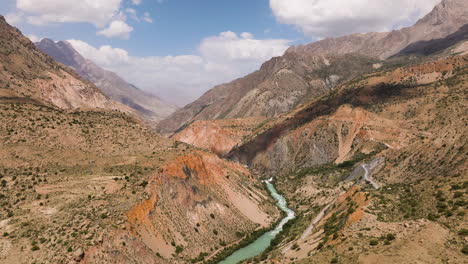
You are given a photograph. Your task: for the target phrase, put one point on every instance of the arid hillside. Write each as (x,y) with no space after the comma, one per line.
(81,182)
(376,169)
(218,136)
(28,73)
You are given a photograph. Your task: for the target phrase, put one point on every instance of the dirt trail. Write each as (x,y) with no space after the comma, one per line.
(369,178)
(315,221)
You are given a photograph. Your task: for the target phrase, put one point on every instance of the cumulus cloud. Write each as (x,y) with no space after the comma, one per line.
(181,79)
(326,18)
(117,29)
(229,46)
(98,13)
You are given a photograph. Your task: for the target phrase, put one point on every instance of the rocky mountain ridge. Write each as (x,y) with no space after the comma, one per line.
(445,19)
(151,107)
(26,72)
(306,72)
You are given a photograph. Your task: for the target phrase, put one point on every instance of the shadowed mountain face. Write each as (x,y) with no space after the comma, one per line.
(306,72)
(151,107)
(445,19)
(434,46)
(280,85)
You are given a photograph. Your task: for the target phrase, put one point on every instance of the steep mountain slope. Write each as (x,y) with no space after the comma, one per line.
(306,72)
(151,107)
(376,170)
(281,84)
(95,185)
(447,18)
(218,136)
(26,72)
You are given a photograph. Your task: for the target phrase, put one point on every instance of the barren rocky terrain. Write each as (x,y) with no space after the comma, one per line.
(408,125)
(81,181)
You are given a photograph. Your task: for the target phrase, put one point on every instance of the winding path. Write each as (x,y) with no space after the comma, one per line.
(315,221)
(369,178)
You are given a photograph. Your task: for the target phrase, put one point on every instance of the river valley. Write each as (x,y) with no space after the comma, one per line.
(261,244)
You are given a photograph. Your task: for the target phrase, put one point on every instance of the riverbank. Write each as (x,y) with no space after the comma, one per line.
(256,247)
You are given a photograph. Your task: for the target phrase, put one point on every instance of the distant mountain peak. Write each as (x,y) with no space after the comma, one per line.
(29,73)
(304,71)
(151,107)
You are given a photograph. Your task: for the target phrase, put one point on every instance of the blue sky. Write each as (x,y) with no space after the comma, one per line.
(178,49)
(176,29)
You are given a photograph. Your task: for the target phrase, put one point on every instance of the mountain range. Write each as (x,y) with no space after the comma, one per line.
(363,135)
(82,179)
(151,107)
(306,72)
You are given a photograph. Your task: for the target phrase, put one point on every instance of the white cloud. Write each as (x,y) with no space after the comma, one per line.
(117,29)
(132,13)
(14,18)
(98,13)
(136,2)
(34,38)
(228,46)
(181,79)
(324,18)
(147,17)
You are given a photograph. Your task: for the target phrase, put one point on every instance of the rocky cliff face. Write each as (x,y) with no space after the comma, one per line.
(190,211)
(306,72)
(218,136)
(151,107)
(28,73)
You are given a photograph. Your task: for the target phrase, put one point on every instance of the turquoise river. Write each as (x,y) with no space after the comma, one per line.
(260,244)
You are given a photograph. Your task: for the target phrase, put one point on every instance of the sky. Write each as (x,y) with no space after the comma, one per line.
(178,49)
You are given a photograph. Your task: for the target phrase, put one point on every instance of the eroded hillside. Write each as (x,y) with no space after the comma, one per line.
(376,170)
(218,136)
(82,182)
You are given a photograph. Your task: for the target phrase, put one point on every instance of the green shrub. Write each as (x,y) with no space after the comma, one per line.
(179,249)
(374,242)
(463,232)
(465,249)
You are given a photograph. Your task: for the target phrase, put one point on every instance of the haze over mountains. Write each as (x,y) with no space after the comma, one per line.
(27,72)
(151,107)
(305,72)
